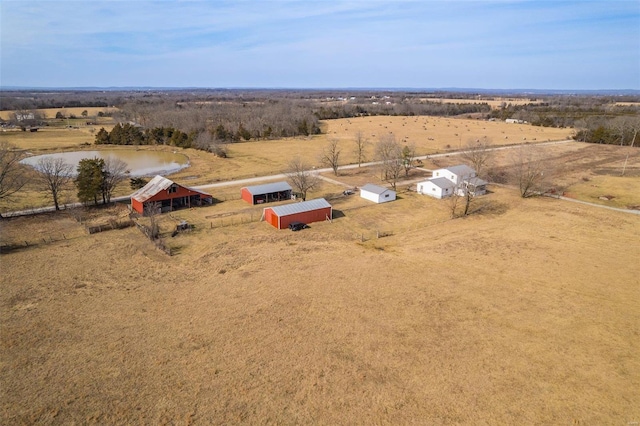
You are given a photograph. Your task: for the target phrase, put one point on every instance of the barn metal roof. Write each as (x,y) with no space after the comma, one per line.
(269,188)
(305,206)
(375,189)
(154,186)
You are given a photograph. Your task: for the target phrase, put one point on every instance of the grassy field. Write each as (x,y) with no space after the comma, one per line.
(494,103)
(258,158)
(524,313)
(51,112)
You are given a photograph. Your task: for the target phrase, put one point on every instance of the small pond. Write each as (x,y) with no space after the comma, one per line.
(141,163)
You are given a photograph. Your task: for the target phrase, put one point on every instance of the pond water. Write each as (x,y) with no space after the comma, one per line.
(141,163)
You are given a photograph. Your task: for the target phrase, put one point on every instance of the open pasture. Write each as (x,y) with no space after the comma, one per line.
(494,103)
(51,138)
(67,112)
(509,317)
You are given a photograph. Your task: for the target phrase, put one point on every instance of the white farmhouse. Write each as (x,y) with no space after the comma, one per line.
(377,194)
(455,174)
(458,180)
(437,187)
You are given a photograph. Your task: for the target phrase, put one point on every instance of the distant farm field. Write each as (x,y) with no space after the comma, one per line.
(77,111)
(524,313)
(494,103)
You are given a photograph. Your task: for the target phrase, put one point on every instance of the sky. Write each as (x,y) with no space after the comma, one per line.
(549,44)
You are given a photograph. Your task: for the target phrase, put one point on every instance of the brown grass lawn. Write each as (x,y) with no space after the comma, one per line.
(525,313)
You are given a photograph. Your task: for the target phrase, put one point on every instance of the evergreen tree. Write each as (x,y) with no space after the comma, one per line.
(102,137)
(90,179)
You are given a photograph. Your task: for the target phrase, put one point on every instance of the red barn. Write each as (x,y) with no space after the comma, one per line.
(168,195)
(307,212)
(258,194)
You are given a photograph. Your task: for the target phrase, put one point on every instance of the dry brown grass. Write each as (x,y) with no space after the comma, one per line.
(51,112)
(259,158)
(523,315)
(52,138)
(494,103)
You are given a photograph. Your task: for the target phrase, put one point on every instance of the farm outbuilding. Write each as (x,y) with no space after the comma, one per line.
(377,194)
(168,195)
(437,187)
(258,194)
(306,212)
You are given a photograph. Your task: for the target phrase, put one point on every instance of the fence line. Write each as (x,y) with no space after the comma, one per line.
(113,224)
(156,241)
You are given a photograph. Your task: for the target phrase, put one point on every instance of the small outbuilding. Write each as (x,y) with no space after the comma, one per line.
(168,195)
(280,217)
(377,194)
(437,187)
(267,193)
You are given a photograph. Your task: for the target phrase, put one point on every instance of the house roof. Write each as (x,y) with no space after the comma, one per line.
(154,186)
(441,182)
(461,170)
(476,181)
(375,189)
(305,206)
(269,188)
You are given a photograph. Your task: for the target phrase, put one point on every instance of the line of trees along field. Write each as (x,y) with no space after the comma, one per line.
(207,118)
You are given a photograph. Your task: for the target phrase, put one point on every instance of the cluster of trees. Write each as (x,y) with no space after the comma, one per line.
(562,111)
(129,134)
(95,178)
(621,131)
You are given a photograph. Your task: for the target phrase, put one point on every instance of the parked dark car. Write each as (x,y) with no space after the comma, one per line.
(296,226)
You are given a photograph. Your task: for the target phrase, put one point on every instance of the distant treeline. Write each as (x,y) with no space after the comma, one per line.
(211,117)
(567,111)
(129,134)
(234,121)
(624,136)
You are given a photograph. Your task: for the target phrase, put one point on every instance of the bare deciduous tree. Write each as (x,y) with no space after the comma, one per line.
(331,155)
(408,158)
(12,173)
(529,171)
(361,145)
(301,178)
(114,172)
(54,174)
(477,153)
(152,211)
(389,153)
(634,126)
(207,142)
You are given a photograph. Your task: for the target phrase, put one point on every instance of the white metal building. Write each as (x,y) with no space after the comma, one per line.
(377,194)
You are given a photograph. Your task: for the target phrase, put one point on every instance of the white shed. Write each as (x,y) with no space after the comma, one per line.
(439,187)
(377,194)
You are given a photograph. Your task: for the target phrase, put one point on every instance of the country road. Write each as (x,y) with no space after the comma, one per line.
(258,179)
